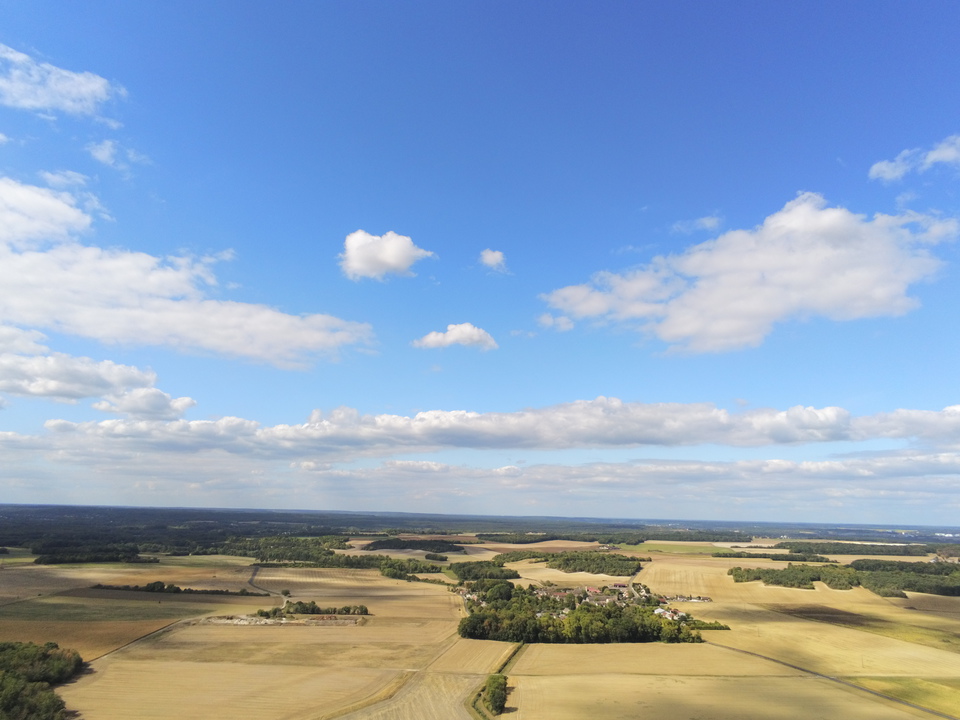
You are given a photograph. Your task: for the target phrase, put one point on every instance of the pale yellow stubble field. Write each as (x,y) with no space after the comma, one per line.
(712,682)
(281,671)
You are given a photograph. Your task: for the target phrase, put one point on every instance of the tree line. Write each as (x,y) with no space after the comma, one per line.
(160,587)
(311,608)
(887,578)
(838,548)
(633,537)
(26,672)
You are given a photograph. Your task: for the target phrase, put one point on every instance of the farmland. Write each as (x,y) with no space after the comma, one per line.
(796,653)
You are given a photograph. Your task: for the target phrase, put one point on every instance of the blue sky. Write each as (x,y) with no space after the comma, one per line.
(653,260)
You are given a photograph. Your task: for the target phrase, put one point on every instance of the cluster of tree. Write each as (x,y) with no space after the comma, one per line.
(598,563)
(433,546)
(793,555)
(482,569)
(160,587)
(284,549)
(887,578)
(495,693)
(839,548)
(516,614)
(799,576)
(406,569)
(435,557)
(26,672)
(4,551)
(591,561)
(311,608)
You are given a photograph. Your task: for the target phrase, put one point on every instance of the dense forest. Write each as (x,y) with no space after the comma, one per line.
(792,556)
(500,611)
(838,548)
(887,578)
(431,546)
(26,672)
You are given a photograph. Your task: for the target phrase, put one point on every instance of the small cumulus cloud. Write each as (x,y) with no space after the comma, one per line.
(112,154)
(146,403)
(374,256)
(30,85)
(685,227)
(560,323)
(462,334)
(946,152)
(494,260)
(64,178)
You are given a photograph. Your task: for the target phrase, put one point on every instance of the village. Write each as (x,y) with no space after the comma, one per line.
(618,594)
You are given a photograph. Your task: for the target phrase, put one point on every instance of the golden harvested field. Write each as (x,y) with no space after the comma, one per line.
(641,659)
(627,697)
(428,696)
(663,546)
(538,573)
(941,693)
(405,661)
(91,641)
(126,687)
(472,656)
(903,648)
(195,670)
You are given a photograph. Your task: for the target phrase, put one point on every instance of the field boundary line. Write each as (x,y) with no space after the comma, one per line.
(838,681)
(511,659)
(158,631)
(388,692)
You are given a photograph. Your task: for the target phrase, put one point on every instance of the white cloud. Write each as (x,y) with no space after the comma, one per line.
(494,260)
(806,260)
(373,256)
(64,178)
(29,85)
(946,152)
(895,169)
(104,152)
(602,422)
(344,434)
(67,378)
(560,323)
(112,154)
(28,368)
(147,403)
(4,139)
(462,334)
(22,342)
(710,222)
(232,452)
(29,213)
(120,296)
